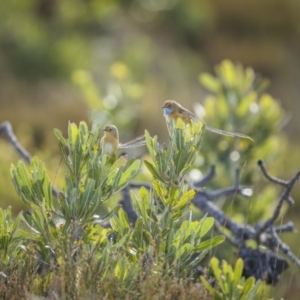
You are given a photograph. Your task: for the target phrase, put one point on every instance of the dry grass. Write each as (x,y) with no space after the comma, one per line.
(55,284)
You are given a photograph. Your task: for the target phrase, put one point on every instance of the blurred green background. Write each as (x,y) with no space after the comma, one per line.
(117,61)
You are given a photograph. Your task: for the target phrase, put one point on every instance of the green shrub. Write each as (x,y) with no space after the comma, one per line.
(230,283)
(68,249)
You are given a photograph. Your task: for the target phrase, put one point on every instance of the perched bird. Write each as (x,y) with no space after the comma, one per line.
(110,141)
(173,110)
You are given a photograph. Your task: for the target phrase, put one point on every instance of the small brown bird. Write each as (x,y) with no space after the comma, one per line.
(110,141)
(173,110)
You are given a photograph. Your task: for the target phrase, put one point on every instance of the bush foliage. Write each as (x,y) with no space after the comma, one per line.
(65,242)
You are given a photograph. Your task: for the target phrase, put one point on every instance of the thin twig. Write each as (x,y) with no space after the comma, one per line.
(288,227)
(284,196)
(6,128)
(269,177)
(285,248)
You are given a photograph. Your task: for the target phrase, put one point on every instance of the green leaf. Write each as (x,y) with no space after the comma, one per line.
(180,124)
(209,82)
(59,135)
(72,133)
(208,244)
(244,107)
(170,238)
(159,190)
(130,172)
(179,138)
(155,173)
(256,291)
(228,72)
(185,199)
(192,264)
(124,240)
(86,198)
(184,251)
(121,161)
(117,184)
(139,233)
(248,286)
(111,213)
(238,271)
(144,196)
(141,204)
(189,161)
(116,224)
(206,284)
(206,226)
(214,262)
(23,175)
(151,144)
(124,218)
(179,161)
(120,270)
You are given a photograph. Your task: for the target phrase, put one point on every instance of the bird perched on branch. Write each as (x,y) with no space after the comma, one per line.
(110,141)
(173,110)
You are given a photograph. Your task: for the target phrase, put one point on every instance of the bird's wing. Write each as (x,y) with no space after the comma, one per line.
(137,142)
(227,133)
(184,111)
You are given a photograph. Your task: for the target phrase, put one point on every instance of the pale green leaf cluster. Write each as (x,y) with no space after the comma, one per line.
(230,283)
(169,164)
(162,233)
(91,178)
(167,246)
(238,103)
(10,241)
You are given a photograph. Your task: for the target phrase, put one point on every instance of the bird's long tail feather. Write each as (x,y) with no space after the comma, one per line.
(137,142)
(227,133)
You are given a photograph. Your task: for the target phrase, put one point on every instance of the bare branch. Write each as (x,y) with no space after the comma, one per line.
(288,227)
(127,205)
(269,177)
(284,196)
(264,265)
(6,128)
(209,176)
(241,232)
(284,247)
(265,233)
(213,195)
